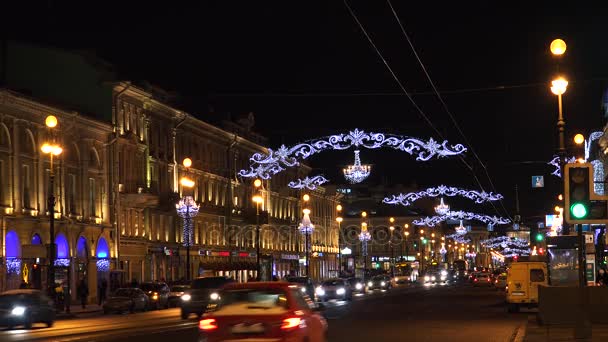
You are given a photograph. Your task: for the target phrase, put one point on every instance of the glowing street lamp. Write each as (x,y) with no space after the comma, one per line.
(339,219)
(558,47)
(187,209)
(579,139)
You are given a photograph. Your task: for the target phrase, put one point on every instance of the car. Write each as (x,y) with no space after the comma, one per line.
(379,282)
(158,294)
(482,279)
(175,294)
(202,292)
(126,299)
(356,285)
(305,283)
(437,277)
(25,307)
(501,282)
(263,311)
(335,288)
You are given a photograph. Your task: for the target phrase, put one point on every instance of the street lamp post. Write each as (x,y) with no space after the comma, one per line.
(52,149)
(364,237)
(258,199)
(306,228)
(390,241)
(187,209)
(339,219)
(407,252)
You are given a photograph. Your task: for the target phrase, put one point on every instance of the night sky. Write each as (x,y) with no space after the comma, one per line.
(306,70)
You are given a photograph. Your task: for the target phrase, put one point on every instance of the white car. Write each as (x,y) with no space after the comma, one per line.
(501,282)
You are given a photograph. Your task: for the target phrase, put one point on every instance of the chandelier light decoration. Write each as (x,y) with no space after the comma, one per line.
(460,215)
(187,209)
(461,230)
(442,190)
(443,251)
(308,183)
(442,208)
(264,166)
(356,173)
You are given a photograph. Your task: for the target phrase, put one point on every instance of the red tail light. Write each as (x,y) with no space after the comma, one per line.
(207,324)
(488,279)
(291,322)
(476,279)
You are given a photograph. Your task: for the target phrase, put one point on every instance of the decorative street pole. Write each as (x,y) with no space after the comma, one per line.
(339,219)
(187,209)
(364,237)
(258,199)
(407,252)
(52,149)
(306,227)
(390,242)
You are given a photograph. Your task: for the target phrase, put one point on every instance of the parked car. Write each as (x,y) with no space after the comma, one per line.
(25,307)
(356,285)
(175,294)
(305,283)
(334,289)
(482,279)
(202,291)
(381,282)
(126,299)
(158,294)
(263,311)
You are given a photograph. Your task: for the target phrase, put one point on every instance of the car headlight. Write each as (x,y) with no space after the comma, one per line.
(358,286)
(303,290)
(433,278)
(370,284)
(186,297)
(427,278)
(341,291)
(443,277)
(18,311)
(319,291)
(382,283)
(214,296)
(155,295)
(444,273)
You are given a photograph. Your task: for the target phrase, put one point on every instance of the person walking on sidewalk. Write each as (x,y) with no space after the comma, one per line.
(83,293)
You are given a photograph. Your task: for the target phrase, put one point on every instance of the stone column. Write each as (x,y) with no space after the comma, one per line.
(92,280)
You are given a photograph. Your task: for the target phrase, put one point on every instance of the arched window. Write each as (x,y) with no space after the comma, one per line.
(36,240)
(102,249)
(13,246)
(63,248)
(81,248)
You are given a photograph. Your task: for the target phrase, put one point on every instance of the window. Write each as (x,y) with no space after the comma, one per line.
(71,194)
(92,197)
(537,275)
(25,186)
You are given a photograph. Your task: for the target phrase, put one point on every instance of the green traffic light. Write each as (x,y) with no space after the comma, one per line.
(424,241)
(539,237)
(578,210)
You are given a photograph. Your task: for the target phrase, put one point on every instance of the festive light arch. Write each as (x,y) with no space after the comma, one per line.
(460,215)
(442,190)
(310,183)
(266,165)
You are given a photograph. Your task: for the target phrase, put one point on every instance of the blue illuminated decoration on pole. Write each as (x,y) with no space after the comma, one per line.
(308,183)
(442,190)
(187,209)
(460,215)
(266,165)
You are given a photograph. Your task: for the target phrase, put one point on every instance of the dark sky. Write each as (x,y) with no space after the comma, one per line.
(306,70)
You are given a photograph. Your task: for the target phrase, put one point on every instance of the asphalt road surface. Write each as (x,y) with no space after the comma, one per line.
(415,313)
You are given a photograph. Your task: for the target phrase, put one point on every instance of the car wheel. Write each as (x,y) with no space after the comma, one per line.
(28,323)
(185,315)
(49,324)
(132,308)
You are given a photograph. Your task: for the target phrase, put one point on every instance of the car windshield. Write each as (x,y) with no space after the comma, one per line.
(208,283)
(252,301)
(123,293)
(150,287)
(179,288)
(483,275)
(333,282)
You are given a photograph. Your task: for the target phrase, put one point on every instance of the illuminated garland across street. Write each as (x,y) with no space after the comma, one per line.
(266,165)
(443,190)
(460,215)
(555,162)
(510,246)
(308,183)
(458,238)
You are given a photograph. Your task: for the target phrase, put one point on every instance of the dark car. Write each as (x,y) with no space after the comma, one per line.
(334,289)
(158,294)
(379,282)
(126,299)
(202,291)
(25,307)
(176,294)
(305,283)
(356,285)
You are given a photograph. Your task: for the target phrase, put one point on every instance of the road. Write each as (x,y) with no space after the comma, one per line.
(416,313)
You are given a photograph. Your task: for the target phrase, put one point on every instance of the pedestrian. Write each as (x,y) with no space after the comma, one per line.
(103,287)
(83,293)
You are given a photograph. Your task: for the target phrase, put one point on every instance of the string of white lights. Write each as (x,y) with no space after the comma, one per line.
(409,198)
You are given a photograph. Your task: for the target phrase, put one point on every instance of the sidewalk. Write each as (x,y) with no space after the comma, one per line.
(77,310)
(538,333)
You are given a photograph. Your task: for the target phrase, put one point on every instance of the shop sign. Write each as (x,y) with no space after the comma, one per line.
(346,251)
(290,256)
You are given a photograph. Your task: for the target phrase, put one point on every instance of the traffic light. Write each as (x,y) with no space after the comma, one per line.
(539,237)
(581,204)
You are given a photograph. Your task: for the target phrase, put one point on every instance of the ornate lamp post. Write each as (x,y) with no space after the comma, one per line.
(364,237)
(390,241)
(407,251)
(339,219)
(306,227)
(52,149)
(187,209)
(258,199)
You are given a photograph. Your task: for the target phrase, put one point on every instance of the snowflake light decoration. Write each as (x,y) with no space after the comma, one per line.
(264,166)
(13,265)
(356,173)
(308,183)
(442,190)
(457,215)
(103,265)
(555,162)
(62,262)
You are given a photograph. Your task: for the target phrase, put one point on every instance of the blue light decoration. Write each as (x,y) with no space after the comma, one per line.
(13,246)
(102,248)
(264,166)
(443,190)
(36,240)
(592,137)
(364,237)
(555,162)
(187,209)
(62,262)
(81,248)
(598,177)
(13,265)
(462,215)
(510,246)
(458,238)
(308,183)
(306,227)
(62,247)
(103,265)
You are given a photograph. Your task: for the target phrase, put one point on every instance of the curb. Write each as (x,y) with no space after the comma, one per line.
(520,334)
